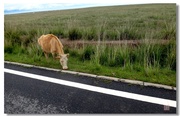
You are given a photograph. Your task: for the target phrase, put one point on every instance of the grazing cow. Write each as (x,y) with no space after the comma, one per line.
(51,44)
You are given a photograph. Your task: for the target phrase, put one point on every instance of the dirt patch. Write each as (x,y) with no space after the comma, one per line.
(132,43)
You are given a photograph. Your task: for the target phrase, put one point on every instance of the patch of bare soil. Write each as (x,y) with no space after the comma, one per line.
(132,43)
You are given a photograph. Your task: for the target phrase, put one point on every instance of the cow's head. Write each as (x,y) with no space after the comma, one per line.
(63,58)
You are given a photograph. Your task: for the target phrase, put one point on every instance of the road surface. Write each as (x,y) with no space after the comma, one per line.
(39,91)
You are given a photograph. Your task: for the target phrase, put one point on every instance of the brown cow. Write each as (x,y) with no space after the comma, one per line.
(51,44)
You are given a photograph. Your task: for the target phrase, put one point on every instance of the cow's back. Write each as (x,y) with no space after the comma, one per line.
(50,43)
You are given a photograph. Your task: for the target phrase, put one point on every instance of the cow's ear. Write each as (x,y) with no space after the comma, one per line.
(67,54)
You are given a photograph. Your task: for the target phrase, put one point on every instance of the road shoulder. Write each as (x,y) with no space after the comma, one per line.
(135,82)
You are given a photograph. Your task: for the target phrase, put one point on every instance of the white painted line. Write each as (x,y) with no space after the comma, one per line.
(16,63)
(158,85)
(45,68)
(70,72)
(86,74)
(128,95)
(131,81)
(101,77)
(108,78)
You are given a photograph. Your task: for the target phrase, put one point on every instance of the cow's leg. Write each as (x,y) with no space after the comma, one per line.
(53,50)
(53,54)
(46,55)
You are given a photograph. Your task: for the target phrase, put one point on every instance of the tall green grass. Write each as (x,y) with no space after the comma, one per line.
(147,56)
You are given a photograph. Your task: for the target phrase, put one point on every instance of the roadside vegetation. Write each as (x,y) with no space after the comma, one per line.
(151,60)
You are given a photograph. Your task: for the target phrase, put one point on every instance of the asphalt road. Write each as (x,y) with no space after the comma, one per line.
(24,95)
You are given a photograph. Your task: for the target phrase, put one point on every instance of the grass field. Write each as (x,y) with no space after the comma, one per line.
(148,60)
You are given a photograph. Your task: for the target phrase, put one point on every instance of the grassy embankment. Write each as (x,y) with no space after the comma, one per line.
(147,62)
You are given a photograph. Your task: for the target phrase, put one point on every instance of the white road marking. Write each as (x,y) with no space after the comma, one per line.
(144,98)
